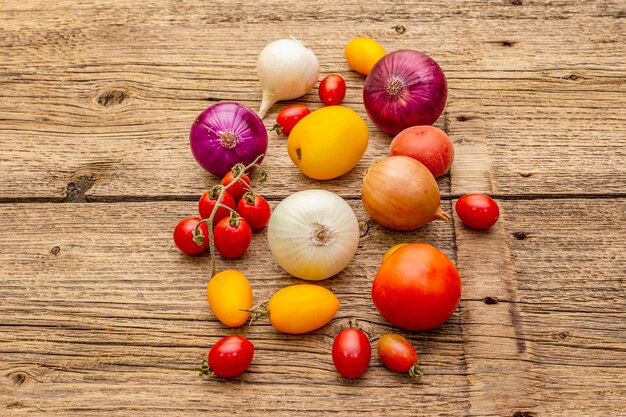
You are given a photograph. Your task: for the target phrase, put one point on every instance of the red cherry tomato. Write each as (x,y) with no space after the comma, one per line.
(209,199)
(477,211)
(332,89)
(238,189)
(288,117)
(416,287)
(229,357)
(398,355)
(351,353)
(255,210)
(232,236)
(183,236)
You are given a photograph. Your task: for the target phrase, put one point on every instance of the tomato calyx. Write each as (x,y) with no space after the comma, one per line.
(249,197)
(258,312)
(197,235)
(415,371)
(235,219)
(204,368)
(277,128)
(215,191)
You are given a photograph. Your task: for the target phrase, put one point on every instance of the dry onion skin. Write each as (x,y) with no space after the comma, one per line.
(400,193)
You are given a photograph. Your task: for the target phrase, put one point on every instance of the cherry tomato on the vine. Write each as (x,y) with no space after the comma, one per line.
(352,352)
(232,236)
(477,211)
(229,357)
(288,117)
(255,210)
(238,189)
(209,199)
(183,236)
(332,89)
(398,354)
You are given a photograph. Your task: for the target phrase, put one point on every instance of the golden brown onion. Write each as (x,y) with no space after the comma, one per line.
(400,193)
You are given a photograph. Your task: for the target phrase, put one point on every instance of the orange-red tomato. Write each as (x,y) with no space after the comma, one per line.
(426,144)
(417,287)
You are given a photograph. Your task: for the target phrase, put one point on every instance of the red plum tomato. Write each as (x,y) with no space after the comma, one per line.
(477,211)
(351,353)
(332,89)
(229,357)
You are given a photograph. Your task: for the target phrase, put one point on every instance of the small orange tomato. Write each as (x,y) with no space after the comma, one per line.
(229,293)
(363,53)
(302,308)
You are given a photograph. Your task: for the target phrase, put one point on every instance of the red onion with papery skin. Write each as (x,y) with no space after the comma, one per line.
(405,88)
(226,134)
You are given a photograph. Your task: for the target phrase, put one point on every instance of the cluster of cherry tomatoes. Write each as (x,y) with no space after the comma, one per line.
(351,353)
(234,211)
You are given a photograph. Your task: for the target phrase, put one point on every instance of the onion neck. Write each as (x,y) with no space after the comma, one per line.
(321,235)
(395,87)
(228,140)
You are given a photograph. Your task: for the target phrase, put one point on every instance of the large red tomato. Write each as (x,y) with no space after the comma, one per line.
(416,287)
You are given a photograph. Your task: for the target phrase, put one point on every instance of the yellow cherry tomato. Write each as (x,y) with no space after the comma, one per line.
(363,53)
(391,250)
(229,292)
(328,143)
(302,308)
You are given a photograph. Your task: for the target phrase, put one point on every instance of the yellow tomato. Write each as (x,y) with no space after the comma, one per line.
(328,142)
(363,53)
(391,250)
(302,308)
(229,292)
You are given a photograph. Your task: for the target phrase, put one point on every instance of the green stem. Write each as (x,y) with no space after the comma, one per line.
(204,368)
(218,204)
(415,371)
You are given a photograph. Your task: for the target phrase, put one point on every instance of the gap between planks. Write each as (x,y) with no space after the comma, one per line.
(194,197)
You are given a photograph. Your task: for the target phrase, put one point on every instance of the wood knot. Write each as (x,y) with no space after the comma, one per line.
(111,98)
(525,174)
(507,43)
(490,300)
(76,189)
(517,2)
(572,77)
(562,336)
(463,118)
(18,378)
(524,414)
(400,29)
(520,235)
(55,250)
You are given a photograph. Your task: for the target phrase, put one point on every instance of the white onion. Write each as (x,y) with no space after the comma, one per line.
(287,69)
(313,234)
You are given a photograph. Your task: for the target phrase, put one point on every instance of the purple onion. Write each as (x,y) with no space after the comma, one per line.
(405,88)
(226,134)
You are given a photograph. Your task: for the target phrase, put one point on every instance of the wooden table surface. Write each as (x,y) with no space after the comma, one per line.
(102,316)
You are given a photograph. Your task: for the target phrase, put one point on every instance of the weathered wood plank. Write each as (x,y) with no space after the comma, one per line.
(102,315)
(90,97)
(544,323)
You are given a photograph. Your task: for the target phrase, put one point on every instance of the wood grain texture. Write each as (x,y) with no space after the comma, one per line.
(101,316)
(93,327)
(547,318)
(107,94)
